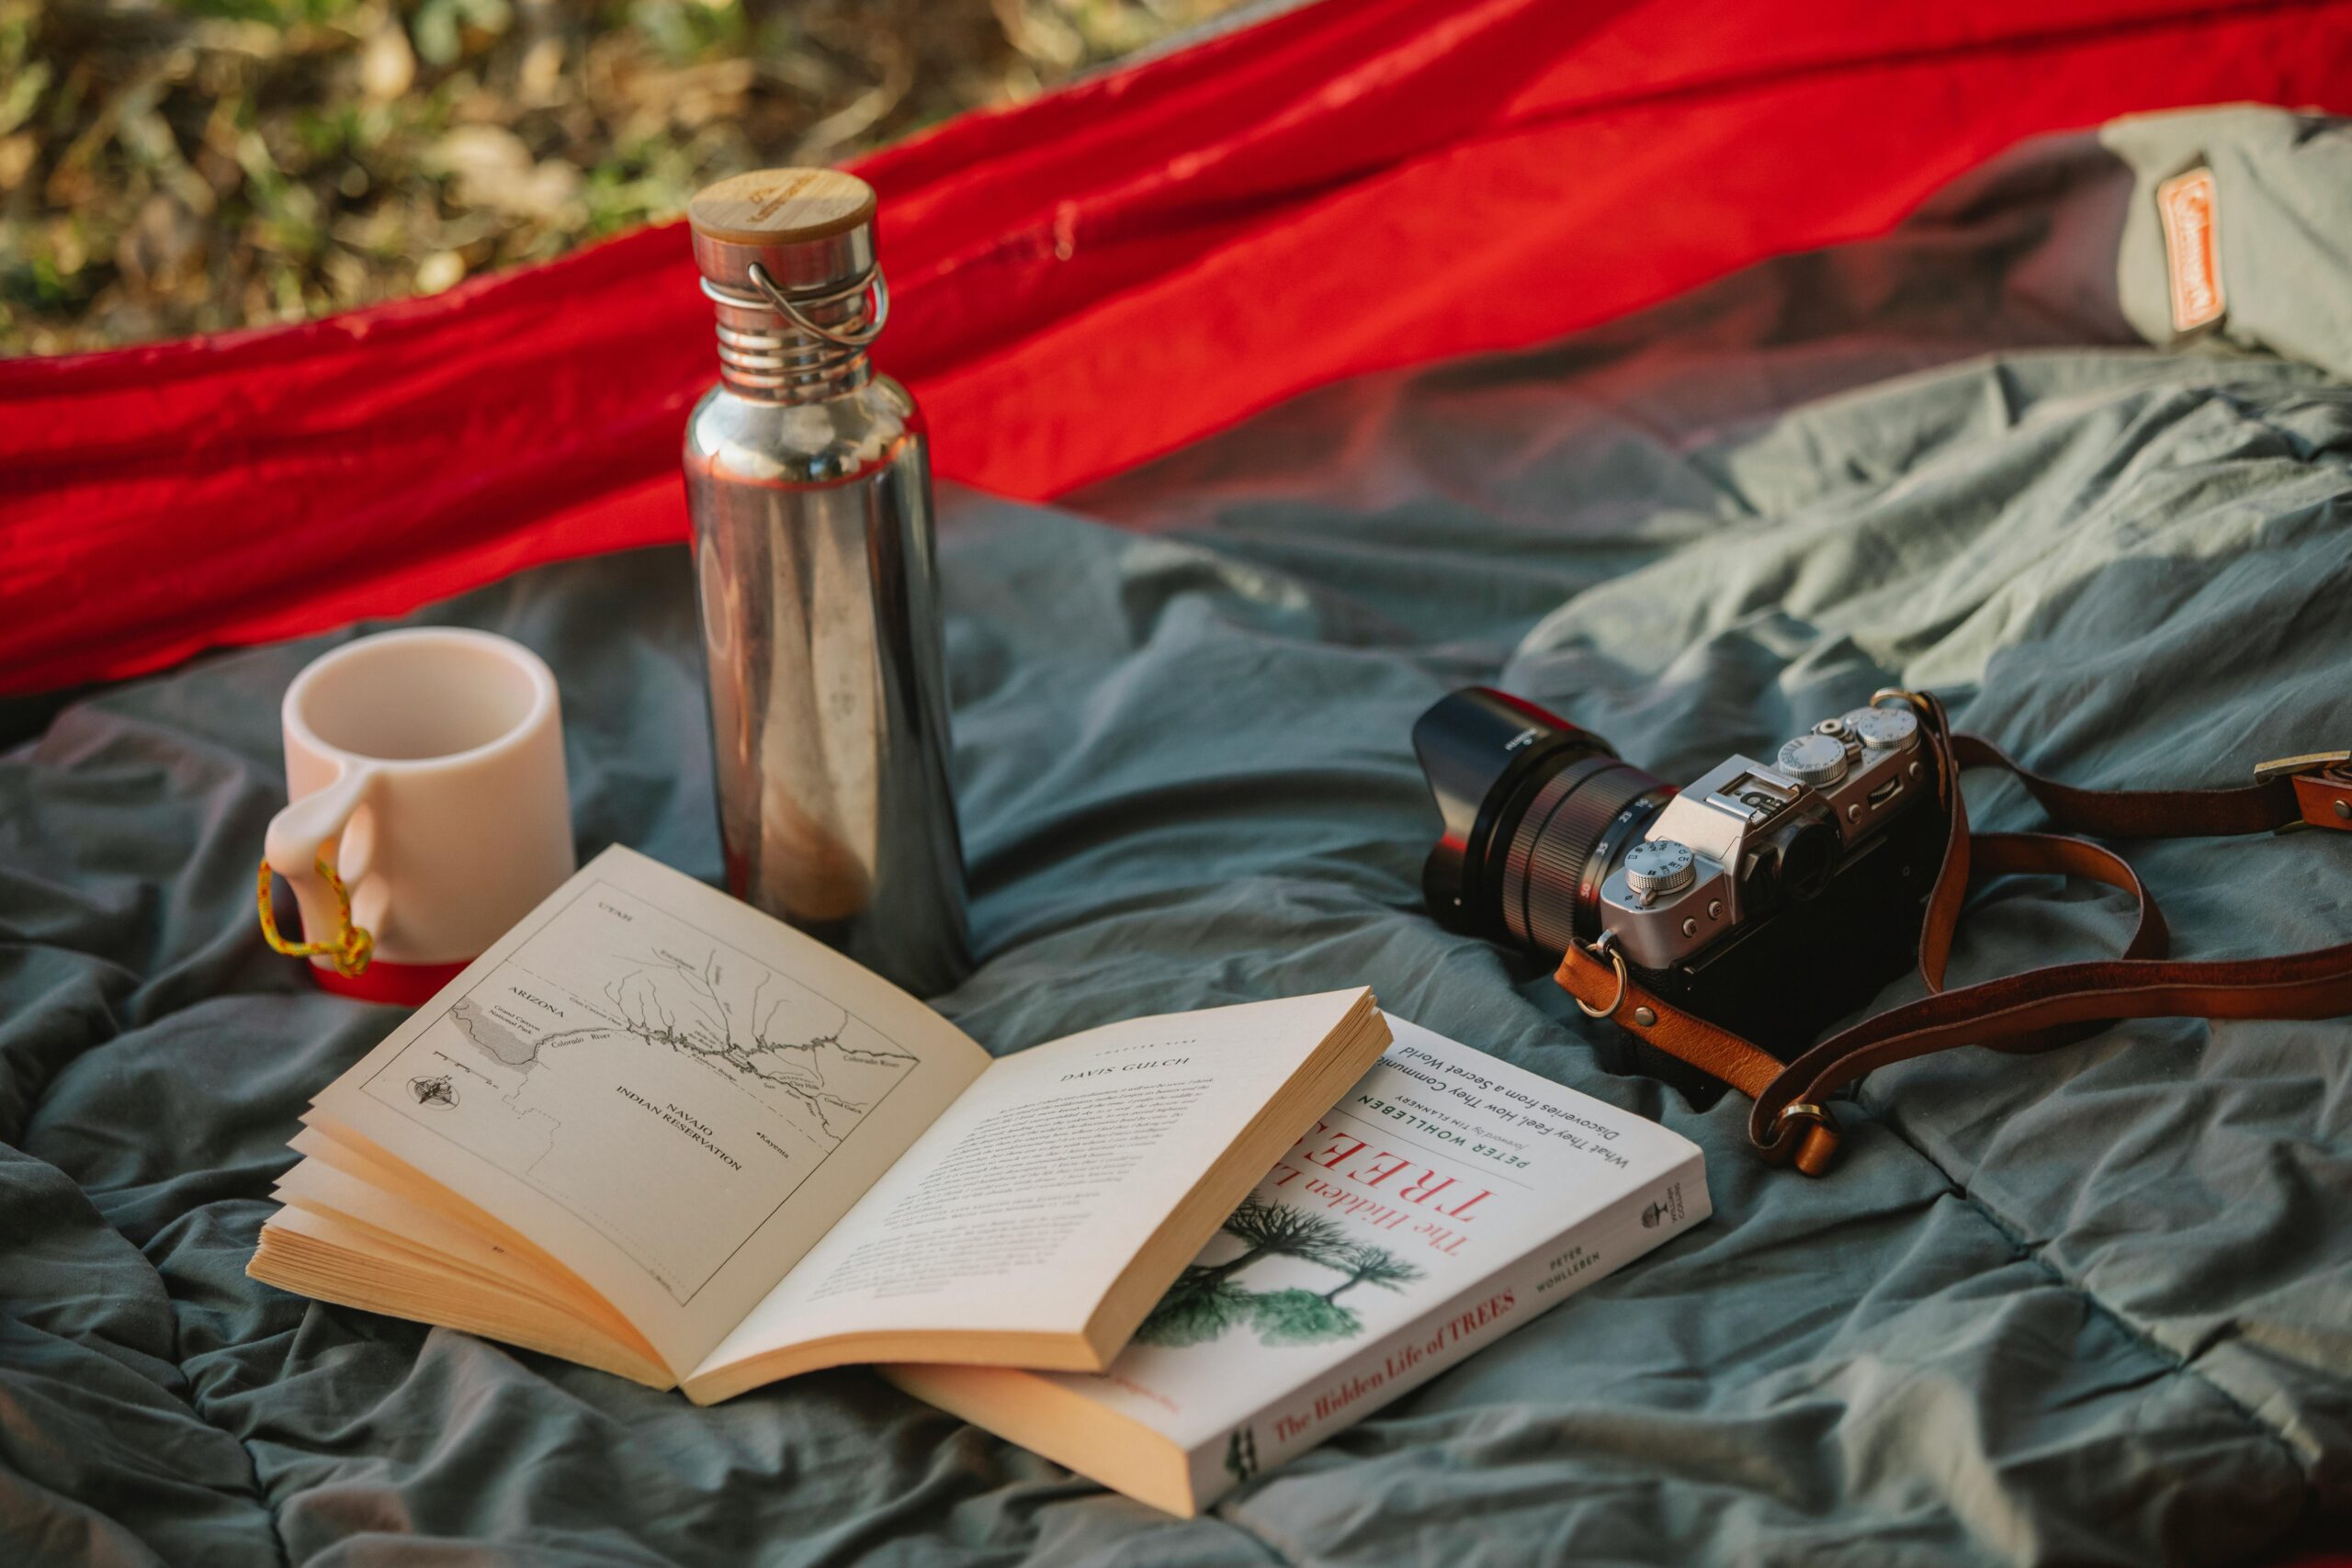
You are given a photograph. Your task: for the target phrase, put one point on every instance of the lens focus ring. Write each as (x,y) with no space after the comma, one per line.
(1543,873)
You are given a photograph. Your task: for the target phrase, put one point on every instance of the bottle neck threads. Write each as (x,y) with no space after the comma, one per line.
(764,357)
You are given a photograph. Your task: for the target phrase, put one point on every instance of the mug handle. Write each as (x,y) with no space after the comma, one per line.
(297,847)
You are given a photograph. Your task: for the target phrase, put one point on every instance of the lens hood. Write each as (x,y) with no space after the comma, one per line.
(1485,753)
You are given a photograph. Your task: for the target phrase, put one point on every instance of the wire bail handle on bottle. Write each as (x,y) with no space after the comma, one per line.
(790,307)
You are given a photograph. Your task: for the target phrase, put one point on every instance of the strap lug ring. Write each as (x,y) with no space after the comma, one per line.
(1606,947)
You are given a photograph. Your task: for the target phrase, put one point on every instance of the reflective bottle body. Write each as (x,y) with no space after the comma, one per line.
(820,615)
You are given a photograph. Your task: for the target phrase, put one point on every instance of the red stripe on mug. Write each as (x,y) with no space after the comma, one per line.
(403,985)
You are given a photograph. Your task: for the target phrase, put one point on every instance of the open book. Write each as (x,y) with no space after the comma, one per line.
(656,1132)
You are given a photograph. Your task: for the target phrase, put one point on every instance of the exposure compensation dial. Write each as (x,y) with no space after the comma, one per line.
(1882,729)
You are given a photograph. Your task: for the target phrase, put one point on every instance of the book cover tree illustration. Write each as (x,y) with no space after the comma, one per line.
(1209,1299)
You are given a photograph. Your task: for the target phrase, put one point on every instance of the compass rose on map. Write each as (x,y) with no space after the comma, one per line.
(438,1091)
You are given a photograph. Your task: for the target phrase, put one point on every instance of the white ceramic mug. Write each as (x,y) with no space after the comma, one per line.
(426,768)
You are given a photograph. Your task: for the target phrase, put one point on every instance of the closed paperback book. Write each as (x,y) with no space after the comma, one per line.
(1447,1199)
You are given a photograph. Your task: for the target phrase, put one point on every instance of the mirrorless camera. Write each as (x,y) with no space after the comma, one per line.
(1769,899)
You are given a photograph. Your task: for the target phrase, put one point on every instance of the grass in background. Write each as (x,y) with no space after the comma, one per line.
(179,166)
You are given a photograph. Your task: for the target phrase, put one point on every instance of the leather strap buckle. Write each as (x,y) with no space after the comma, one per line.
(1817,1147)
(1803,1111)
(2322,784)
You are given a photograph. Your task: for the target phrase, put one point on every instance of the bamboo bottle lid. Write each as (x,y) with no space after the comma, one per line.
(808,229)
(781,207)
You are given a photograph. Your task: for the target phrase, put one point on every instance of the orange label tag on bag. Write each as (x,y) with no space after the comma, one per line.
(2192,253)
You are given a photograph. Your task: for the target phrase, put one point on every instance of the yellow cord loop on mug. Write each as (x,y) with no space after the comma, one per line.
(352,945)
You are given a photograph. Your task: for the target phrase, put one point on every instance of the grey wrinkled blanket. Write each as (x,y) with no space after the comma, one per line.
(2093,1306)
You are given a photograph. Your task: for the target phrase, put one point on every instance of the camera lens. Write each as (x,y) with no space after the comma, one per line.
(1536,812)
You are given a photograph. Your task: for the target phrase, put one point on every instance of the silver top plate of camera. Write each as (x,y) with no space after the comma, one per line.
(1881,764)
(1679,890)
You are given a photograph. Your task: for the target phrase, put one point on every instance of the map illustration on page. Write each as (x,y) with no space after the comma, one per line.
(617,1020)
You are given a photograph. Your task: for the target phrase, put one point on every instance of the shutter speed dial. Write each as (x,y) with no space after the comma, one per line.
(1656,867)
(1816,759)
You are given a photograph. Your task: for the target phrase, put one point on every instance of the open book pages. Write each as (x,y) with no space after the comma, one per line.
(1447,1199)
(656,1132)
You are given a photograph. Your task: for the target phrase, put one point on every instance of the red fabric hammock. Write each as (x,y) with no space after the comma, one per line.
(1080,284)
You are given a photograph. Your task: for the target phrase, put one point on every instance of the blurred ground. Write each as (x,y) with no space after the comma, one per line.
(177,167)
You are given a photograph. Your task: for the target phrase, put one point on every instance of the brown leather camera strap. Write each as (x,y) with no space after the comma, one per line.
(2039,1008)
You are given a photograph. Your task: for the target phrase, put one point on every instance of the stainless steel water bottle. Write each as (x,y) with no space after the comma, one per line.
(809,484)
